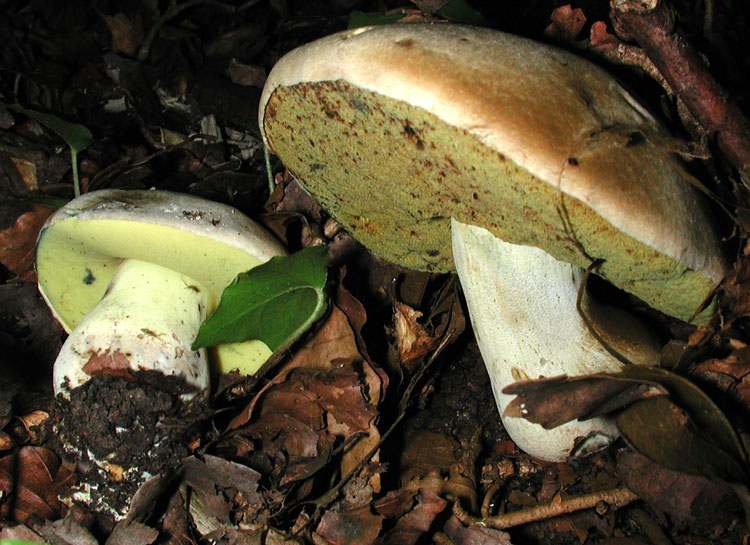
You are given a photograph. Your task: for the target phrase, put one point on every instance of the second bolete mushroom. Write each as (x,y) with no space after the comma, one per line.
(132,274)
(539,159)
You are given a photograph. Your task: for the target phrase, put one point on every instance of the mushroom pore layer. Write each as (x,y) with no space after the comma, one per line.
(410,164)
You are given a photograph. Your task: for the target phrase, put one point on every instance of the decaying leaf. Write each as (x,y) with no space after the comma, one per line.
(664,432)
(353,527)
(18,241)
(412,339)
(551,402)
(414,511)
(222,495)
(474,535)
(127,34)
(661,414)
(73,529)
(686,497)
(31,477)
(566,23)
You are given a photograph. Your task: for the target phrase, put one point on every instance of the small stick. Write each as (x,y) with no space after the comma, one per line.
(651,24)
(613,498)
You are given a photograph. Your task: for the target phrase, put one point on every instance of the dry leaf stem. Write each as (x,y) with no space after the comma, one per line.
(652,25)
(612,498)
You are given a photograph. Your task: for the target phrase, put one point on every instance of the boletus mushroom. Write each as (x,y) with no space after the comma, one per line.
(131,275)
(452,148)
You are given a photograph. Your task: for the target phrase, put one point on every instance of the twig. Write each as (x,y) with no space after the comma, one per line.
(613,498)
(651,24)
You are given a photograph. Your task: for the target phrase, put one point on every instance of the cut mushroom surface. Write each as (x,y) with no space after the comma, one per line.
(151,265)
(400,130)
(397,129)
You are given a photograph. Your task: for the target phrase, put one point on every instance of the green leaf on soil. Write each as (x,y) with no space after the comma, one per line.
(460,11)
(77,136)
(274,302)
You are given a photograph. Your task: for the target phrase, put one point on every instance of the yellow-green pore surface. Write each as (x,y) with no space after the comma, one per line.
(397,174)
(76,260)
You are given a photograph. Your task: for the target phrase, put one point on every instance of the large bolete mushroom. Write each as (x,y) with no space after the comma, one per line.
(542,162)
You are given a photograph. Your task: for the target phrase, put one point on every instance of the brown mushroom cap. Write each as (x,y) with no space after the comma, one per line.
(396,129)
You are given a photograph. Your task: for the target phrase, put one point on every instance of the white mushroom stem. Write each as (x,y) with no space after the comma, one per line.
(146,320)
(522,304)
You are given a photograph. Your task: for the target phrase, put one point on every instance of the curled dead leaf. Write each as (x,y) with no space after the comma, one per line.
(31,477)
(566,23)
(18,241)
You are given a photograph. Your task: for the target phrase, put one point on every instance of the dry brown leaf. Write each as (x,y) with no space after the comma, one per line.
(423,508)
(126,35)
(245,74)
(30,478)
(412,339)
(566,24)
(474,535)
(19,532)
(17,242)
(687,497)
(425,452)
(352,527)
(556,400)
(228,491)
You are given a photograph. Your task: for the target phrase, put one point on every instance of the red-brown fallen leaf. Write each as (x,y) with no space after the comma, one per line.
(556,400)
(300,418)
(600,38)
(566,23)
(395,504)
(334,341)
(425,452)
(17,242)
(127,34)
(228,491)
(20,533)
(413,525)
(247,75)
(686,497)
(352,527)
(412,339)
(134,533)
(474,535)
(31,477)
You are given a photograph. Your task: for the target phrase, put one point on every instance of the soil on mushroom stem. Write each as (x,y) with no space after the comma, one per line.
(120,431)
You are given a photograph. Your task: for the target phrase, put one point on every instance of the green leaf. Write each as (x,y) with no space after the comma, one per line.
(274,302)
(77,136)
(460,11)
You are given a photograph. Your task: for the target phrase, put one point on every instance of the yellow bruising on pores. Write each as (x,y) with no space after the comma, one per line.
(77,259)
(393,160)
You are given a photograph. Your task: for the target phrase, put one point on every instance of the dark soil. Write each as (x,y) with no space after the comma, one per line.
(118,433)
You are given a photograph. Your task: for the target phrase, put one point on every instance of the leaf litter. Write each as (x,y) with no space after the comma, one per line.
(354,438)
